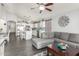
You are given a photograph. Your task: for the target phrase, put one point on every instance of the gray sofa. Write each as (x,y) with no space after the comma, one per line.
(69,38)
(43,41)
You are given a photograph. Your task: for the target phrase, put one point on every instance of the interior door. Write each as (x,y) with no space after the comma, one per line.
(12,26)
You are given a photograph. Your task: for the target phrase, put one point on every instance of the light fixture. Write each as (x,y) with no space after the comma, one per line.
(42,7)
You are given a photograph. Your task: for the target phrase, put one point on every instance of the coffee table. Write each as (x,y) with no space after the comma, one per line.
(53,51)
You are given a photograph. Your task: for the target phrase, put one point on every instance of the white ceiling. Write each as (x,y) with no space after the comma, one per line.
(23,10)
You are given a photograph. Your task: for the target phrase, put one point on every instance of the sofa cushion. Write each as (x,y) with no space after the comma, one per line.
(77,46)
(48,35)
(41,43)
(70,44)
(64,36)
(57,40)
(57,34)
(74,38)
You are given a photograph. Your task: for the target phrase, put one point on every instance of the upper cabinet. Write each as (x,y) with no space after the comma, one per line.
(3,26)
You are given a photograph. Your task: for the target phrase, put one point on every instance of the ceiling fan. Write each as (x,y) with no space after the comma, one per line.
(43,7)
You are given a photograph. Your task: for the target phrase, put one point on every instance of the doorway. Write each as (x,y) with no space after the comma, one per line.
(11,26)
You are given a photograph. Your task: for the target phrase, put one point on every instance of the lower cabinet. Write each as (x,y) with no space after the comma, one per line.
(2,49)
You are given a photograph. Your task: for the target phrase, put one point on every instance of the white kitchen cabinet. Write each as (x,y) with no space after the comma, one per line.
(28,35)
(2,42)
(2,50)
(3,35)
(24,30)
(3,26)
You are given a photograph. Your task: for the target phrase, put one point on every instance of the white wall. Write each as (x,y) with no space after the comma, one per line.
(72,27)
(4,14)
(7,16)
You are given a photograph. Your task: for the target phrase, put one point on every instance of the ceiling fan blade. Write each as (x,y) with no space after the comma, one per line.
(48,4)
(40,3)
(48,9)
